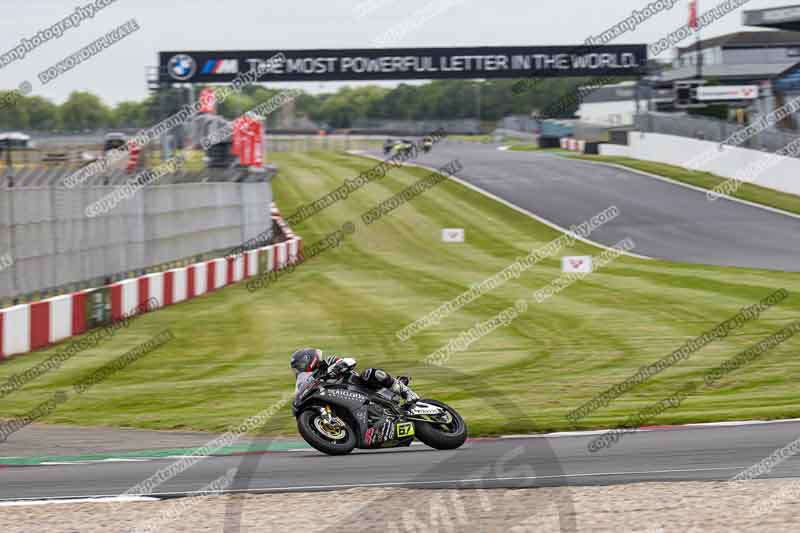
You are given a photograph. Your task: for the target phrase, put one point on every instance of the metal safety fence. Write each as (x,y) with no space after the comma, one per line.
(309,143)
(50,245)
(709,129)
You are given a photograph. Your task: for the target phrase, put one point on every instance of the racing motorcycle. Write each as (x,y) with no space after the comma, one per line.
(337,415)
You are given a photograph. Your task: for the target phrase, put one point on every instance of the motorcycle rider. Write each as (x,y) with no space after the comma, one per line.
(427,144)
(308,362)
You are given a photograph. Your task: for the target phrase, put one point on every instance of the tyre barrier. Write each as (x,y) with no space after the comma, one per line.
(574,145)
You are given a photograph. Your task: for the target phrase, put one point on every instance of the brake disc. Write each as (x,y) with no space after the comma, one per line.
(333,433)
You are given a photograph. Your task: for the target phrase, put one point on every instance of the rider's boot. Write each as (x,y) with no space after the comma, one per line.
(404,391)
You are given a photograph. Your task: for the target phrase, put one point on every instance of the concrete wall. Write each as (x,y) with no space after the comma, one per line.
(615,150)
(781,174)
(620,113)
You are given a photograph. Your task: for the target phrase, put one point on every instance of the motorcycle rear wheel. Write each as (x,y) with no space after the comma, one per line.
(442,436)
(308,425)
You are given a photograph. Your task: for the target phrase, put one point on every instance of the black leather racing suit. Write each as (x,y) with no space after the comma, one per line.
(373,377)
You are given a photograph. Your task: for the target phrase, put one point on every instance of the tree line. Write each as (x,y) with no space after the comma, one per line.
(441,100)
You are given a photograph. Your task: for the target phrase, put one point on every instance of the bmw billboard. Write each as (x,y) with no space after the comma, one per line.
(404,63)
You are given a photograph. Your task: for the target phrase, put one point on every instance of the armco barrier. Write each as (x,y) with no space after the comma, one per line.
(27,327)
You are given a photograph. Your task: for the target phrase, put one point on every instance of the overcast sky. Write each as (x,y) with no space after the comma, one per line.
(119,72)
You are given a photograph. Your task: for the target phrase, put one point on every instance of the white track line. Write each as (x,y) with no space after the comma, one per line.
(555,434)
(689,186)
(696,425)
(514,207)
(484,480)
(55,501)
(111,498)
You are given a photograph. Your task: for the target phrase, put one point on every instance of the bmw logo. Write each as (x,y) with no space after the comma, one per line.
(182,67)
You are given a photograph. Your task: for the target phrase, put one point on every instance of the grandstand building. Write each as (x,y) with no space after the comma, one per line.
(769,59)
(616,105)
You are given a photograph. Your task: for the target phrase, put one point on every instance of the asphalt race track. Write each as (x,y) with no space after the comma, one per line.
(678,454)
(665,220)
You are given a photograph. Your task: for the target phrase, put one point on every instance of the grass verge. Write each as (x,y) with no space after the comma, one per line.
(524,147)
(229,359)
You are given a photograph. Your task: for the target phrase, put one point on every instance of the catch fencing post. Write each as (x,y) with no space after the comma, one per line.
(12,243)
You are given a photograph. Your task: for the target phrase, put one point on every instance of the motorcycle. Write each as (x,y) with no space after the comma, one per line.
(427,144)
(337,415)
(402,147)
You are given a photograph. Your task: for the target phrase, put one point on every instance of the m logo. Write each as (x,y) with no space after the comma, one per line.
(221,66)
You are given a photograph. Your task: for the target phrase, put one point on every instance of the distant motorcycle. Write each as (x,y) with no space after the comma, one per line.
(406,147)
(402,147)
(338,415)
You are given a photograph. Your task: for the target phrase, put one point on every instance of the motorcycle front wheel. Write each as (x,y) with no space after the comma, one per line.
(443,433)
(330,440)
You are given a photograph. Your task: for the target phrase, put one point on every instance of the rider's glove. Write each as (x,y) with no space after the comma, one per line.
(337,365)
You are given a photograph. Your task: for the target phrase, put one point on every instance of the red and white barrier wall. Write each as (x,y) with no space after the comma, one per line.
(27,327)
